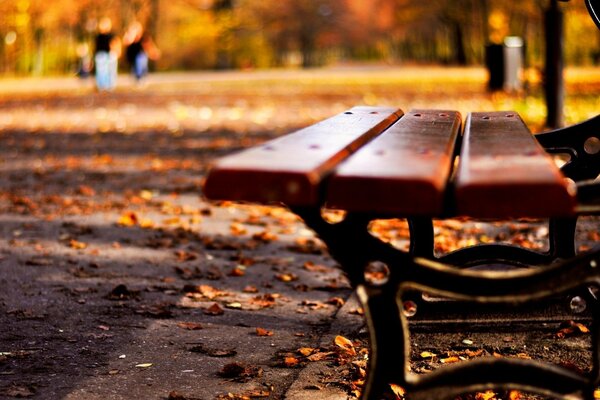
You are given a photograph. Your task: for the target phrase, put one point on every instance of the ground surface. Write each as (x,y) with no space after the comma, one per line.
(119,281)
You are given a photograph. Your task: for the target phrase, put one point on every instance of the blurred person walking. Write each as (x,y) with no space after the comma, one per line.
(140,48)
(106,55)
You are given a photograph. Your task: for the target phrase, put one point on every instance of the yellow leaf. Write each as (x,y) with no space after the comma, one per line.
(488,395)
(146,195)
(306,351)
(144,365)
(427,354)
(128,218)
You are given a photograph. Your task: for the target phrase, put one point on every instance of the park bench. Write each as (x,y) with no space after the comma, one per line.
(380,162)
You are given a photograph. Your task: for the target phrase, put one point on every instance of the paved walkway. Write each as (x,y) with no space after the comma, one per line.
(119,281)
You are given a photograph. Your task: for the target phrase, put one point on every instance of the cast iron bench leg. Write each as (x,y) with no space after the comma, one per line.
(354,247)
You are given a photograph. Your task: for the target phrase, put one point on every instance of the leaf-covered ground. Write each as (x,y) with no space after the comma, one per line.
(119,281)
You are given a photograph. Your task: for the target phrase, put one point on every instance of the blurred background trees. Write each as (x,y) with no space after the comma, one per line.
(43,37)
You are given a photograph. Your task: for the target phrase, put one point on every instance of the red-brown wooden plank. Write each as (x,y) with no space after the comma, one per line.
(504,172)
(290,169)
(403,171)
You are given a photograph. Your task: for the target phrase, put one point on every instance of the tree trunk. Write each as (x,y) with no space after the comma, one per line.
(554,79)
(460,54)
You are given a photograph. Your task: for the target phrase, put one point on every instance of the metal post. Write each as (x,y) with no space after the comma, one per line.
(554,79)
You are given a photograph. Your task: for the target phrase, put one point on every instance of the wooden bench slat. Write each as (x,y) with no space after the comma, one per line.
(289,169)
(503,172)
(405,170)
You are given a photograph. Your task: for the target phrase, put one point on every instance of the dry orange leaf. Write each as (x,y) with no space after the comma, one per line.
(74,244)
(516,395)
(215,309)
(306,351)
(237,271)
(398,391)
(450,360)
(291,361)
(128,218)
(345,344)
(263,332)
(286,277)
(488,395)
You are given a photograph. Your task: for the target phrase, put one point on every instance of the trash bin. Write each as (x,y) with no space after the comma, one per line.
(504,63)
(494,62)
(513,63)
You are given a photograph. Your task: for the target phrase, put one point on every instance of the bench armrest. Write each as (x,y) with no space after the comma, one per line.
(582,143)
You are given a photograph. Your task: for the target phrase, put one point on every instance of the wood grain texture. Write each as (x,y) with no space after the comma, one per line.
(291,168)
(503,172)
(403,171)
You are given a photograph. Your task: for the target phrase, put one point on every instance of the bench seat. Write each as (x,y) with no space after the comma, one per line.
(378,160)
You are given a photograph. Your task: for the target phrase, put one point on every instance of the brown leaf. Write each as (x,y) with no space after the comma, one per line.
(190,326)
(240,372)
(211,352)
(237,271)
(214,309)
(336,301)
(320,356)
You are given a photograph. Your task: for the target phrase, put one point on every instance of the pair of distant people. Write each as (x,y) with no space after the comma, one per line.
(139,48)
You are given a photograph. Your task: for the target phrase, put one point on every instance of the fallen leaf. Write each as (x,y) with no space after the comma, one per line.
(488,395)
(238,271)
(398,391)
(291,361)
(320,356)
(345,344)
(74,244)
(427,354)
(250,289)
(240,372)
(336,301)
(214,309)
(144,365)
(289,277)
(450,360)
(263,332)
(128,218)
(190,326)
(213,352)
(306,351)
